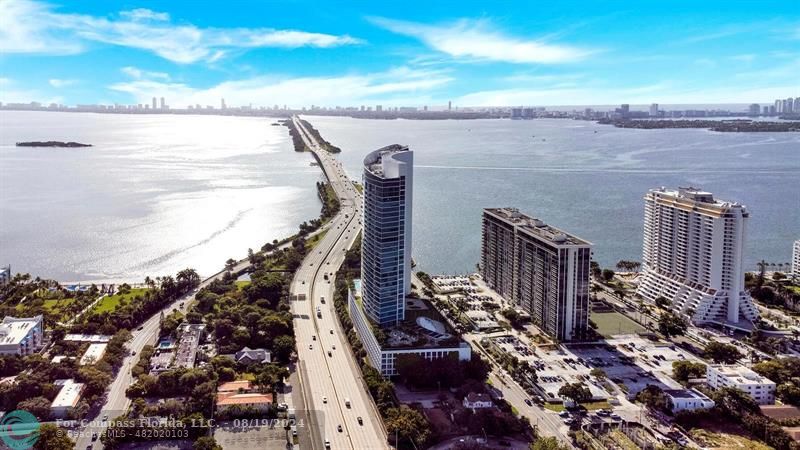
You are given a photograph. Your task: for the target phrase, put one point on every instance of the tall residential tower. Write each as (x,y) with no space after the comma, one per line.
(386,243)
(692,256)
(542,269)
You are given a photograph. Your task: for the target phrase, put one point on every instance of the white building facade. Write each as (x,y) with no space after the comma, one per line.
(21,336)
(687,400)
(759,388)
(692,256)
(796,258)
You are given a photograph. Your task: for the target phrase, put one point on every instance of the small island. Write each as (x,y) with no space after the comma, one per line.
(735,125)
(52,144)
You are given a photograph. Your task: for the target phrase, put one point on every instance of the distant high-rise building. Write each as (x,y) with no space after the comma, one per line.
(542,269)
(790,105)
(386,243)
(154,103)
(754,109)
(378,108)
(450,105)
(772,110)
(693,251)
(222,104)
(625,109)
(163,103)
(654,110)
(765,111)
(796,258)
(778,106)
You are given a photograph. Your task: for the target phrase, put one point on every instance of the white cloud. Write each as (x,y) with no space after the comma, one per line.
(59,83)
(23,30)
(144,14)
(136,73)
(477,40)
(31,27)
(393,87)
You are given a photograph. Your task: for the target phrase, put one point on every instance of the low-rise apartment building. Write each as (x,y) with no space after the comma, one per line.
(21,336)
(67,398)
(759,388)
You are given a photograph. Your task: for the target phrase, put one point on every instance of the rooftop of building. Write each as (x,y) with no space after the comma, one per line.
(423,327)
(94,352)
(740,374)
(374,160)
(696,196)
(536,227)
(69,395)
(14,329)
(685,394)
(225,399)
(473,397)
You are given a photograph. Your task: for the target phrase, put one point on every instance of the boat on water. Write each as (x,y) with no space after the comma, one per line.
(312,163)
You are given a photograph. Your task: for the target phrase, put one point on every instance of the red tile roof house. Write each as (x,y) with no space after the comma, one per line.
(239,396)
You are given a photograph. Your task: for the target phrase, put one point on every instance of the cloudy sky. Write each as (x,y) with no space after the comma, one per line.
(331,53)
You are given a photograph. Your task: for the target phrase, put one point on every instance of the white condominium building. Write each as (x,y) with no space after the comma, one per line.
(692,256)
(796,258)
(760,388)
(20,336)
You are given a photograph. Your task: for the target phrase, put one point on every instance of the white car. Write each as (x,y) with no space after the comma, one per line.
(324,399)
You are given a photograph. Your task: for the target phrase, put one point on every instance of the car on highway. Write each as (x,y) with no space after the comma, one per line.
(310,347)
(327,443)
(94,436)
(360,420)
(140,328)
(133,353)
(331,330)
(313,337)
(563,414)
(528,402)
(333,347)
(339,428)
(330,354)
(324,399)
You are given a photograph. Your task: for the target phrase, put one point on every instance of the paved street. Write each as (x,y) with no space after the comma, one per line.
(332,376)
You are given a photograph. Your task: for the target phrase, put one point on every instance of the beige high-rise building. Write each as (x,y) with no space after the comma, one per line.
(542,269)
(692,256)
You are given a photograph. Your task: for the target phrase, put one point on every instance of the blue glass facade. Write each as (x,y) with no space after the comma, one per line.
(385,248)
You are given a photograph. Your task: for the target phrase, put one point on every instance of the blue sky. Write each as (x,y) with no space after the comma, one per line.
(481,53)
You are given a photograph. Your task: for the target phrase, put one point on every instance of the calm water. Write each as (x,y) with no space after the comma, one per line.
(160,193)
(590,184)
(155,194)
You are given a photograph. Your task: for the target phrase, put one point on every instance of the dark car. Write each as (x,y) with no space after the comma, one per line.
(360,420)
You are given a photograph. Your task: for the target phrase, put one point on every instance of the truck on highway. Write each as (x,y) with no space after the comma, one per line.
(319,312)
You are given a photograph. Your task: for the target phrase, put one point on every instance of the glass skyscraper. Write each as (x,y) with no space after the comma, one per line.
(386,243)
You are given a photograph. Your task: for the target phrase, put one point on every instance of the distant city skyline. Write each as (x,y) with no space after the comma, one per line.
(583,54)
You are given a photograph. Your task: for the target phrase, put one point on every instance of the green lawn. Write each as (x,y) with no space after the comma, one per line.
(241,284)
(109,303)
(314,240)
(54,304)
(611,323)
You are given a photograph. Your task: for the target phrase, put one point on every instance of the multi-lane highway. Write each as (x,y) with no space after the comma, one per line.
(341,413)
